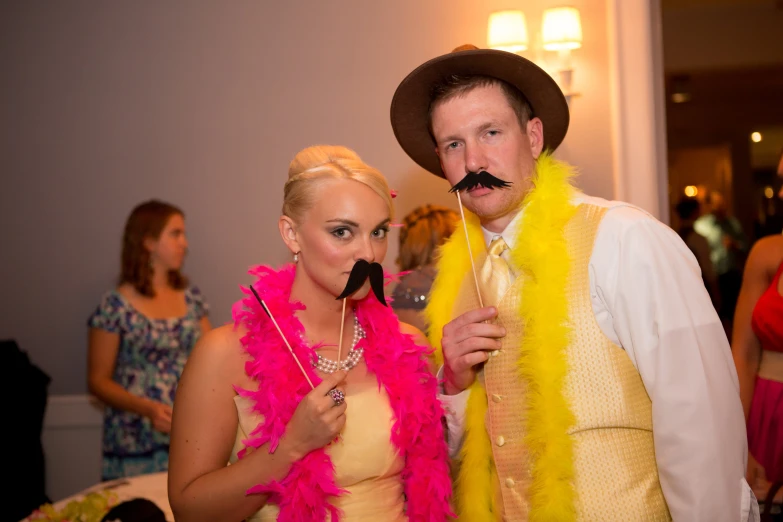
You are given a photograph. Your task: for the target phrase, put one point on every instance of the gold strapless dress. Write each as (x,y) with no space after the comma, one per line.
(366,462)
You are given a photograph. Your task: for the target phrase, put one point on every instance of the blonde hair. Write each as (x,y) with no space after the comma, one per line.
(319,162)
(423,231)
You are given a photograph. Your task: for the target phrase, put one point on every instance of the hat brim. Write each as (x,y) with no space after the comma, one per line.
(411,102)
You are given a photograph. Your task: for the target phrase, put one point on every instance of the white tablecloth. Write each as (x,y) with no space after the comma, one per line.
(153,487)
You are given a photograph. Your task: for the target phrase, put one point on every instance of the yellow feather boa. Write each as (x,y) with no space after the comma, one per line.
(540,253)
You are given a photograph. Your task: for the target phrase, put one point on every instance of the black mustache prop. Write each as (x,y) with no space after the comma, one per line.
(359,274)
(479,179)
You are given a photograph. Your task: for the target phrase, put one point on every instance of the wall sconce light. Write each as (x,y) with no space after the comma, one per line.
(562,32)
(507,31)
(562,29)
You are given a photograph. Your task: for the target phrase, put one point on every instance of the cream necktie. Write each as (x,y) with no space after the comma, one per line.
(495,276)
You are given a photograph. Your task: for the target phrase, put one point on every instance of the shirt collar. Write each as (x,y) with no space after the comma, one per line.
(509,233)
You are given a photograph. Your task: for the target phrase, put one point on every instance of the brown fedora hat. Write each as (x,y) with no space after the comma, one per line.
(411,102)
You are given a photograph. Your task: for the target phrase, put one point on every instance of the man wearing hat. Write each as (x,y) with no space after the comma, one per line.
(586,375)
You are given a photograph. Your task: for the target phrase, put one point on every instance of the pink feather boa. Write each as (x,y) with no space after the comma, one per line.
(402,370)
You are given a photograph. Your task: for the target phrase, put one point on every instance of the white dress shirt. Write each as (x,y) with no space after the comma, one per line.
(648,297)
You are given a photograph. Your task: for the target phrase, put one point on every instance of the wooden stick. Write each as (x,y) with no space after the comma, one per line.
(266,309)
(340,344)
(470,251)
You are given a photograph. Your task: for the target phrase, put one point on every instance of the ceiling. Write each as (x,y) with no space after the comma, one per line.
(679,4)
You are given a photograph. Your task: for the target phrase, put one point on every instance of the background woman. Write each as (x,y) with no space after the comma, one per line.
(757,346)
(140,336)
(423,230)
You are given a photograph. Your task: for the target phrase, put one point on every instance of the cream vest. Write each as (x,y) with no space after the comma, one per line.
(616,477)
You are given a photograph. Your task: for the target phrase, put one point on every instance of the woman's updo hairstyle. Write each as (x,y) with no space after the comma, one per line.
(315,164)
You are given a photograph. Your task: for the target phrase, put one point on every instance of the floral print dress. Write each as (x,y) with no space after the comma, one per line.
(150,360)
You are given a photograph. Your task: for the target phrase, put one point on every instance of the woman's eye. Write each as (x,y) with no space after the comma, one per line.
(341,233)
(380,233)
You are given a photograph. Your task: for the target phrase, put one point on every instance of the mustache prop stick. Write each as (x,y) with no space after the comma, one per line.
(471,181)
(361,271)
(266,309)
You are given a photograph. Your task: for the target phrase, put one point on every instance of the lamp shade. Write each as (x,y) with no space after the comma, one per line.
(507,31)
(561,29)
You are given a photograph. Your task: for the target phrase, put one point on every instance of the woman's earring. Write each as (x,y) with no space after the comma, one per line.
(296,257)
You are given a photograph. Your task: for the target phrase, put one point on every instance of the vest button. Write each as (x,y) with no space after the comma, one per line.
(500,441)
(509,482)
(496,398)
(494,353)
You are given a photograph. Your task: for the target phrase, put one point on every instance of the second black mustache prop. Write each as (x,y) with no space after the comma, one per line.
(361,270)
(479,179)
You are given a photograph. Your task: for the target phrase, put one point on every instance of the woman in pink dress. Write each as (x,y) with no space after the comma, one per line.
(757,346)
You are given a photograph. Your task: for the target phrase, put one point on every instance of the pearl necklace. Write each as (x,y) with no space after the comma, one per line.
(329,366)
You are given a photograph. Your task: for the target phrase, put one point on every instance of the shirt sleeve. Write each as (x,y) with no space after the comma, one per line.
(455,407)
(198,302)
(659,312)
(108,314)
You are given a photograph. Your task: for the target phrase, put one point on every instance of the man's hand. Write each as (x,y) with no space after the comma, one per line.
(467,343)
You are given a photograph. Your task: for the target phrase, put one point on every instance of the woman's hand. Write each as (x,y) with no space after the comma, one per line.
(317,420)
(160,415)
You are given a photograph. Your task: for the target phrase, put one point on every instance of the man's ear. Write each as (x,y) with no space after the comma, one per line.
(535,133)
(287,229)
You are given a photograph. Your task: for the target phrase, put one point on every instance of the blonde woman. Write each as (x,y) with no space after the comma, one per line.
(372,451)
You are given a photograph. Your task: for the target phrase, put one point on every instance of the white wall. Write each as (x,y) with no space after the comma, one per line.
(204,104)
(71,438)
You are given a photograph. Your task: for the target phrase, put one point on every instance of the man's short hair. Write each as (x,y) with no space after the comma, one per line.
(459,85)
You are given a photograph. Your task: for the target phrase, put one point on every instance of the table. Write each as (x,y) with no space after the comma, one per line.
(153,487)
